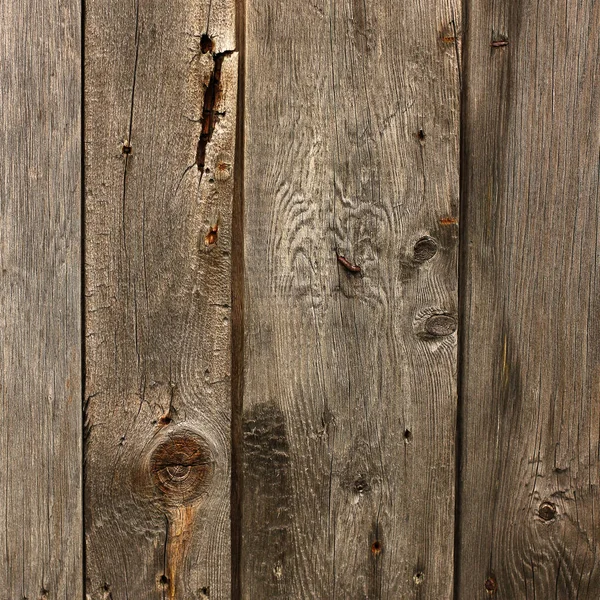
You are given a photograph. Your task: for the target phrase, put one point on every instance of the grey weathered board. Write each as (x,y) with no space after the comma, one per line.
(40,300)
(160,115)
(271,311)
(529,497)
(349,405)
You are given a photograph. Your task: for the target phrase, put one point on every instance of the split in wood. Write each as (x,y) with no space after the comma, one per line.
(499,43)
(212,95)
(206,43)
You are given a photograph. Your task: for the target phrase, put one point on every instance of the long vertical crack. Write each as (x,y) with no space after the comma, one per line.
(212,96)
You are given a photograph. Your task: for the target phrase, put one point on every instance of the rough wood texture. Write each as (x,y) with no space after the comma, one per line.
(40,300)
(352,118)
(530,524)
(160,108)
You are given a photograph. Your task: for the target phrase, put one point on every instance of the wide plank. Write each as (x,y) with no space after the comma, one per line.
(351,183)
(160,117)
(530,415)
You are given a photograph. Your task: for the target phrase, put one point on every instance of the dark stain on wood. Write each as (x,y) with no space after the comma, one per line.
(266,476)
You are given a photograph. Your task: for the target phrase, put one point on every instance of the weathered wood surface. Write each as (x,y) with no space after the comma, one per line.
(529,517)
(351,127)
(40,300)
(160,114)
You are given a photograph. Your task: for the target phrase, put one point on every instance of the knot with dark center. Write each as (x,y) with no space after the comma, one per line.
(182,467)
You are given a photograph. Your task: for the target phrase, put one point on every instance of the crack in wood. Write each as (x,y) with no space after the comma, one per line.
(210,115)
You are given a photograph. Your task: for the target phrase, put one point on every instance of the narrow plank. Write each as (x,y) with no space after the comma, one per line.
(160,114)
(530,414)
(352,123)
(40,299)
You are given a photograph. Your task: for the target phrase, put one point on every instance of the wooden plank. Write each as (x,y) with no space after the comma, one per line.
(40,300)
(530,413)
(352,122)
(160,102)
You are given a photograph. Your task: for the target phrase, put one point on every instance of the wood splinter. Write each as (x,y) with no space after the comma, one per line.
(347,264)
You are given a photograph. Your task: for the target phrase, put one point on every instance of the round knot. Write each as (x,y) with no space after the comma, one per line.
(547,511)
(182,467)
(440,325)
(425,249)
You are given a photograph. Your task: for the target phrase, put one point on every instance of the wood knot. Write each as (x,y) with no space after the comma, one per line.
(361,485)
(547,511)
(182,467)
(425,249)
(440,325)
(491,585)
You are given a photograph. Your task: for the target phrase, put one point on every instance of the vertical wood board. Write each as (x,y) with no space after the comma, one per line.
(160,108)
(529,495)
(350,250)
(40,300)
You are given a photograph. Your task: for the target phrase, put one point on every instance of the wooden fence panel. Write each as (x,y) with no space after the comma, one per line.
(529,518)
(40,300)
(160,114)
(351,160)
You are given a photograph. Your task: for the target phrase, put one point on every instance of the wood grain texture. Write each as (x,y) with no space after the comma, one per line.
(40,300)
(529,490)
(160,114)
(352,119)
